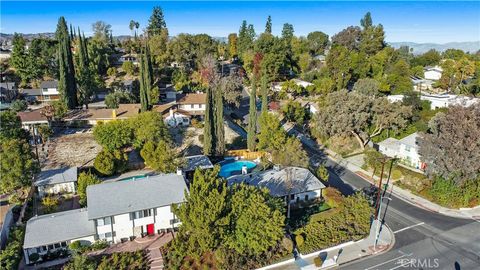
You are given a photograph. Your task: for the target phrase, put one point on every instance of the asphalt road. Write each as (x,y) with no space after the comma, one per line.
(423,239)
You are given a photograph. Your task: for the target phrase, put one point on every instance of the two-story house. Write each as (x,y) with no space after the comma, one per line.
(183,109)
(406,150)
(117,211)
(49,91)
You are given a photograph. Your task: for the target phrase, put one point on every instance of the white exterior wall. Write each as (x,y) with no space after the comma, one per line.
(410,155)
(163,218)
(50,91)
(57,188)
(195,108)
(433,75)
(177,119)
(123,227)
(313,194)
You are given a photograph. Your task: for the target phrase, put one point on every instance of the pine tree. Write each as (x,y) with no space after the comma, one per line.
(66,83)
(208,128)
(156,22)
(268,26)
(264,91)
(252,118)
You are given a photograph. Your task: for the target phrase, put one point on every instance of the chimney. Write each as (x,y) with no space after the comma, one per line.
(179,171)
(171,112)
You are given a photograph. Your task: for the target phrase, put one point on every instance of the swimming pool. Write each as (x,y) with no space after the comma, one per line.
(233,167)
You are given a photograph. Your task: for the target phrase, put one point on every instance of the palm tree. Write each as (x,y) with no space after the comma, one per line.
(132,25)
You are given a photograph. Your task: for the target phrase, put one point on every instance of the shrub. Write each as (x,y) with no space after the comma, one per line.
(33,257)
(50,204)
(322,173)
(111,71)
(299,240)
(19,105)
(318,261)
(85,179)
(287,244)
(396,174)
(333,197)
(128,67)
(196,123)
(109,163)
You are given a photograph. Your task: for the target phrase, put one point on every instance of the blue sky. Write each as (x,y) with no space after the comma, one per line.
(437,22)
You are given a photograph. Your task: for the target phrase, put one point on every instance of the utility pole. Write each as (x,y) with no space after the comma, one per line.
(377,204)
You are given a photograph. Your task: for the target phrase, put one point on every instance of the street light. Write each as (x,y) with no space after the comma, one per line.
(377,229)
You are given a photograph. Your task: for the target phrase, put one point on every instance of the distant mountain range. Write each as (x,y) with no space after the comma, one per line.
(419,48)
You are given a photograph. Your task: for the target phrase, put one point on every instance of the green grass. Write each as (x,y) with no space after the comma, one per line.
(300,216)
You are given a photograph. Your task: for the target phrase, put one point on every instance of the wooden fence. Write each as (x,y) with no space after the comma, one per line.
(246,154)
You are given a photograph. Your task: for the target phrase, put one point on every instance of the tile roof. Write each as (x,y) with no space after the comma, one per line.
(57,176)
(110,199)
(57,227)
(276,181)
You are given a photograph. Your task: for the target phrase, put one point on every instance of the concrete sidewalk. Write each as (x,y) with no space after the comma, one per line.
(336,256)
(406,195)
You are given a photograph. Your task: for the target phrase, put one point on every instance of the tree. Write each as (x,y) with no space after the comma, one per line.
(11,127)
(81,262)
(349,38)
(264,92)
(268,25)
(113,135)
(359,115)
(19,105)
(367,86)
(252,119)
(373,37)
(271,135)
(450,148)
(87,83)
(294,112)
(146,80)
(158,45)
(322,173)
(20,59)
(291,153)
(45,132)
(128,67)
(317,42)
(203,214)
(430,58)
(160,156)
(254,225)
(232,45)
(110,162)
(113,100)
(101,31)
(246,35)
(17,165)
(156,22)
(67,86)
(112,71)
(133,25)
(50,204)
(85,179)
(399,77)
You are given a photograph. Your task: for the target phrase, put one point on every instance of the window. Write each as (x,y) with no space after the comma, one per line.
(50,247)
(104,221)
(100,222)
(140,214)
(44,248)
(57,245)
(107,221)
(292,196)
(38,250)
(192,106)
(45,89)
(173,221)
(306,197)
(63,244)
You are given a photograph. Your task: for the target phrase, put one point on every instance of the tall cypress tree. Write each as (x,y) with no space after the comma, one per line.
(208,128)
(264,92)
(218,120)
(143,86)
(66,83)
(252,118)
(148,75)
(268,26)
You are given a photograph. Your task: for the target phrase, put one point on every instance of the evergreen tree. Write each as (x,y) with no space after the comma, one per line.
(146,80)
(156,22)
(264,91)
(208,128)
(218,120)
(268,26)
(143,94)
(252,118)
(85,74)
(246,35)
(66,83)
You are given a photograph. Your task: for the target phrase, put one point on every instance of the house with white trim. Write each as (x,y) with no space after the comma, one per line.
(56,181)
(441,101)
(405,149)
(117,211)
(49,91)
(293,184)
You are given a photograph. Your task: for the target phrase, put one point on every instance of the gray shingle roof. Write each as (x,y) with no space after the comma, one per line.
(31,92)
(198,161)
(276,181)
(57,227)
(110,199)
(49,84)
(57,176)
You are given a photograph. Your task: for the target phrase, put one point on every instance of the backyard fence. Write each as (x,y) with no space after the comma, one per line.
(246,154)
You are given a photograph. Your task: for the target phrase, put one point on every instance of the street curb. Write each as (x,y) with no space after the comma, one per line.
(374,254)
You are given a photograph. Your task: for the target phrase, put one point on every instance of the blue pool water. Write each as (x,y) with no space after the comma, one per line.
(233,167)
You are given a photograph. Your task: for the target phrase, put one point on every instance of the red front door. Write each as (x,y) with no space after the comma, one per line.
(150,229)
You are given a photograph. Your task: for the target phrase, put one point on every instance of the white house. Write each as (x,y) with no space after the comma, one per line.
(56,231)
(405,149)
(297,183)
(420,84)
(56,181)
(277,86)
(185,106)
(49,91)
(433,73)
(129,208)
(441,101)
(116,212)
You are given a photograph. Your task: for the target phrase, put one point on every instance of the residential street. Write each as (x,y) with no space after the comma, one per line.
(435,241)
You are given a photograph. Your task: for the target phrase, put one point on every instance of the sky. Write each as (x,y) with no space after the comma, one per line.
(422,22)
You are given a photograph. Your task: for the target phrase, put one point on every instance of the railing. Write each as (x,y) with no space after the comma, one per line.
(246,154)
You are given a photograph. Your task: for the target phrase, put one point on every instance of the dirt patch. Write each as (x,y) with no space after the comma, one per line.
(72,150)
